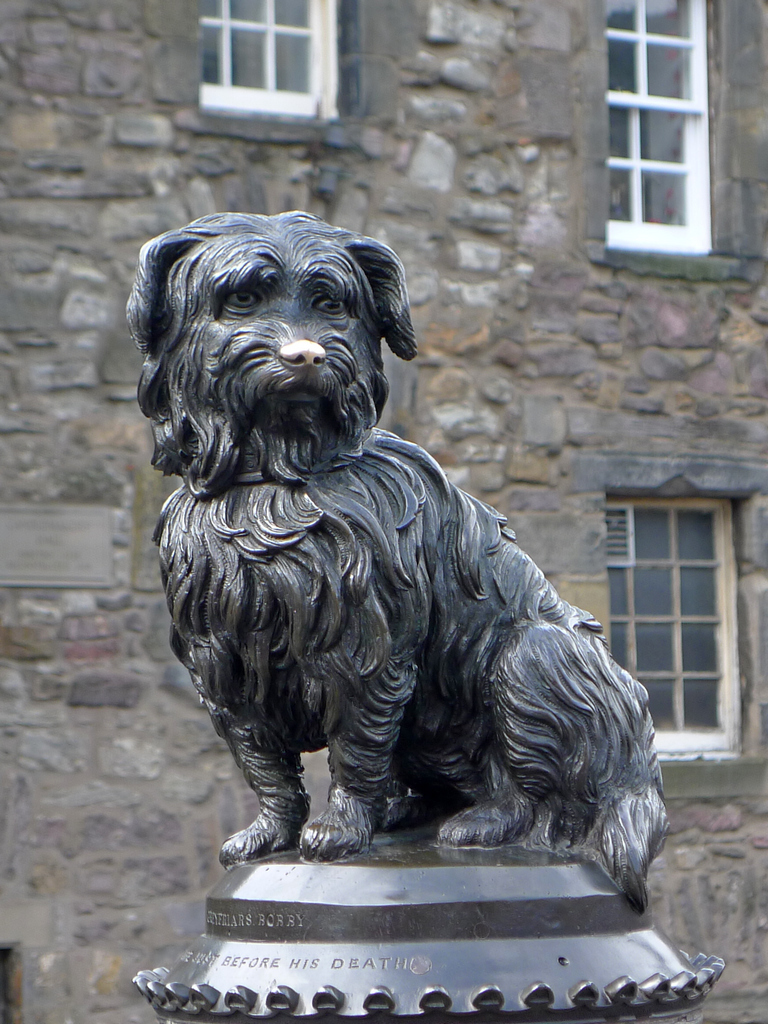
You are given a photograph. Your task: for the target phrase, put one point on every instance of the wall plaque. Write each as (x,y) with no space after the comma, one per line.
(55,546)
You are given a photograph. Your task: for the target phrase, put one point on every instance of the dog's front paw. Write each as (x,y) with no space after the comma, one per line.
(343,829)
(486,824)
(262,836)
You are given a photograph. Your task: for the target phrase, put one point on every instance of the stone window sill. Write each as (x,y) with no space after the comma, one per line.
(713,779)
(259,127)
(689,268)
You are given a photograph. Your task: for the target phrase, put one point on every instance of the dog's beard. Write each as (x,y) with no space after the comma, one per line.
(250,415)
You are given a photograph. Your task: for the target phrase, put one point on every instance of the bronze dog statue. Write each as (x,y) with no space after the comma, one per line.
(330,587)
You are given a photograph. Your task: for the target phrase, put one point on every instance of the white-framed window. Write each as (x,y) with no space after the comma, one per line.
(673,623)
(269,57)
(659,137)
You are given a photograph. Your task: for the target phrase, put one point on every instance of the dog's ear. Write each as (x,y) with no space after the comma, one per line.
(386,277)
(149,312)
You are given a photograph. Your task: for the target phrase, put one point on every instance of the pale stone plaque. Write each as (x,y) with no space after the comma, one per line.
(55,546)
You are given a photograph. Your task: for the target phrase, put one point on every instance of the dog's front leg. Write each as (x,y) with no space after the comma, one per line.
(360,758)
(284,805)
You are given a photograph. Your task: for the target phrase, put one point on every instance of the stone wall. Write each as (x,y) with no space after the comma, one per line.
(472,139)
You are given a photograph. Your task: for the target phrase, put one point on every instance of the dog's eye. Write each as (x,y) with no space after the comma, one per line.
(329,304)
(240,301)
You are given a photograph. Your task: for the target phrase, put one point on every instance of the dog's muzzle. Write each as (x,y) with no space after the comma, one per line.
(302,354)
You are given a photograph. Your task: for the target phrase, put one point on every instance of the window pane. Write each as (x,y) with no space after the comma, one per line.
(619,127)
(292,62)
(695,537)
(667,17)
(654,647)
(211,66)
(621,208)
(651,533)
(621,66)
(668,72)
(661,702)
(621,14)
(248,10)
(617,578)
(292,12)
(653,591)
(248,64)
(661,135)
(210,8)
(697,591)
(663,198)
(619,642)
(700,697)
(699,651)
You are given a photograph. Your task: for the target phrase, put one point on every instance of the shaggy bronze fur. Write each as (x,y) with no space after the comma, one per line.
(330,587)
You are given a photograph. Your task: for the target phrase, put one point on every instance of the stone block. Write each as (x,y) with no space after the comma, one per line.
(384,27)
(105,689)
(433,163)
(33,129)
(172,18)
(368,86)
(599,330)
(697,474)
(741,32)
(436,110)
(50,71)
(546,25)
(489,175)
(527,467)
(143,218)
(543,227)
(657,318)
(460,420)
(560,360)
(659,364)
(24,308)
(154,876)
(27,217)
(83,309)
(742,150)
(560,542)
(131,758)
(487,216)
(25,643)
(479,256)
(48,750)
(175,74)
(544,422)
(464,74)
(740,217)
(27,923)
(110,75)
(535,96)
(751,532)
(75,373)
(139,129)
(591,594)
(449,22)
(157,642)
(533,499)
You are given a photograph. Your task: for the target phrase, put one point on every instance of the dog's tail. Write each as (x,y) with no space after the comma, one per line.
(628,836)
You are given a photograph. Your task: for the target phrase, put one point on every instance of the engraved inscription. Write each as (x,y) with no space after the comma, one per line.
(255,919)
(415,964)
(55,546)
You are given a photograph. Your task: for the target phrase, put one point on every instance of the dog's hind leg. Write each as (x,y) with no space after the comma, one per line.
(503,817)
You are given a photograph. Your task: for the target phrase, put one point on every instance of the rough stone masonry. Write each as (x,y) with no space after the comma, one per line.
(472,139)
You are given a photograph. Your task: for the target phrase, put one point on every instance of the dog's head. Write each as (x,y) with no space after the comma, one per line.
(262,344)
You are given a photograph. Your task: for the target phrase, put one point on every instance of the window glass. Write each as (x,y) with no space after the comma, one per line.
(211,49)
(668,625)
(248,59)
(620,195)
(292,63)
(621,14)
(619,131)
(668,72)
(210,8)
(667,17)
(621,66)
(248,10)
(292,12)
(662,136)
(663,198)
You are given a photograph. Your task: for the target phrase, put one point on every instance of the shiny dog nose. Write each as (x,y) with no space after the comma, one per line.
(302,353)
